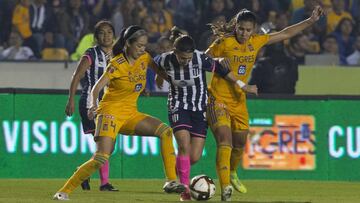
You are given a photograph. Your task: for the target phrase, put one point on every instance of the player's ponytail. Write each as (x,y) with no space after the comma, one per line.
(222,29)
(175,33)
(130,34)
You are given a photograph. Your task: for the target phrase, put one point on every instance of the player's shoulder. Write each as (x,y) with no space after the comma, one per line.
(118,59)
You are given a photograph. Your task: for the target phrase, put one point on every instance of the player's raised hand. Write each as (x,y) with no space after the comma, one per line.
(316,14)
(69,109)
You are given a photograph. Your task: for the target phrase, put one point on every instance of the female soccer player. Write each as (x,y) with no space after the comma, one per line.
(187,100)
(228,116)
(117,111)
(88,71)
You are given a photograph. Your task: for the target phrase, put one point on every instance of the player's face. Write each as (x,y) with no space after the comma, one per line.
(105,36)
(183,58)
(244,29)
(137,48)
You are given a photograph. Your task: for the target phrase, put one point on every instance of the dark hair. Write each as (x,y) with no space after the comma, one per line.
(101,24)
(184,44)
(220,29)
(246,15)
(132,33)
(295,39)
(175,33)
(342,21)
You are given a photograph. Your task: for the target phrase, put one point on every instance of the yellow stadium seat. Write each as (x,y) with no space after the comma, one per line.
(49,54)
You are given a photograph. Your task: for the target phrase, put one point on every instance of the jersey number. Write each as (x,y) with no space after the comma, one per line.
(241,70)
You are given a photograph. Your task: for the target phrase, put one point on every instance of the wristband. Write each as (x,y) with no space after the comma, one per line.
(240,83)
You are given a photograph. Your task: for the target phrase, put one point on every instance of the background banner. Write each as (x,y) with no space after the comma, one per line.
(295,138)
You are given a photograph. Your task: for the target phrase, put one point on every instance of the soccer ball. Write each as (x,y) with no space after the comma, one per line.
(202,187)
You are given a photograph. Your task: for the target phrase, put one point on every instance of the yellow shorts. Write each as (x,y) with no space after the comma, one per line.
(233,115)
(110,125)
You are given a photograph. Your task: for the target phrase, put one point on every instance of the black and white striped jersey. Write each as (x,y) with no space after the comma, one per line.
(99,60)
(188,87)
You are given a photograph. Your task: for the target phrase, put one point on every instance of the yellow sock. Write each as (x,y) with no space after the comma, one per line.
(223,164)
(167,151)
(83,172)
(236,157)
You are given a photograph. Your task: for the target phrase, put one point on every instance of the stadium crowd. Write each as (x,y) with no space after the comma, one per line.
(62,29)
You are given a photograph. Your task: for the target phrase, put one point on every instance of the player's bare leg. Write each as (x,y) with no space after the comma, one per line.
(239,143)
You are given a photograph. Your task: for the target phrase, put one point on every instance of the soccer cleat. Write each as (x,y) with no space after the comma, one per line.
(235,182)
(108,187)
(61,196)
(185,196)
(85,185)
(226,193)
(173,187)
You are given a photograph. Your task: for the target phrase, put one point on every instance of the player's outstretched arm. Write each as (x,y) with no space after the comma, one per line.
(99,85)
(75,80)
(159,71)
(293,30)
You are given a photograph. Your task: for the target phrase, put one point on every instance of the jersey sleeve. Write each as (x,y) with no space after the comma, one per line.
(260,41)
(157,60)
(112,70)
(217,47)
(212,65)
(89,55)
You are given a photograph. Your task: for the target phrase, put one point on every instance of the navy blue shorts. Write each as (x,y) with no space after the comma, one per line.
(88,125)
(193,121)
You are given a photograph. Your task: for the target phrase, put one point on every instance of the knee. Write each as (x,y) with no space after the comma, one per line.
(163,130)
(100,159)
(223,137)
(194,159)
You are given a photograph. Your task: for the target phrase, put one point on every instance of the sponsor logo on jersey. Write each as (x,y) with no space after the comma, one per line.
(138,87)
(251,48)
(111,69)
(242,70)
(182,83)
(120,60)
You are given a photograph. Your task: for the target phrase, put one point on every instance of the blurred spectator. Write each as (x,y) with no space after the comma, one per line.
(16,51)
(334,17)
(354,58)
(276,73)
(21,22)
(40,16)
(98,10)
(6,9)
(298,47)
(215,11)
(53,37)
(330,46)
(162,19)
(282,21)
(126,13)
(75,24)
(345,39)
(184,13)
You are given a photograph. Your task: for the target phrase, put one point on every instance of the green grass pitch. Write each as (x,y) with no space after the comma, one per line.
(259,191)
